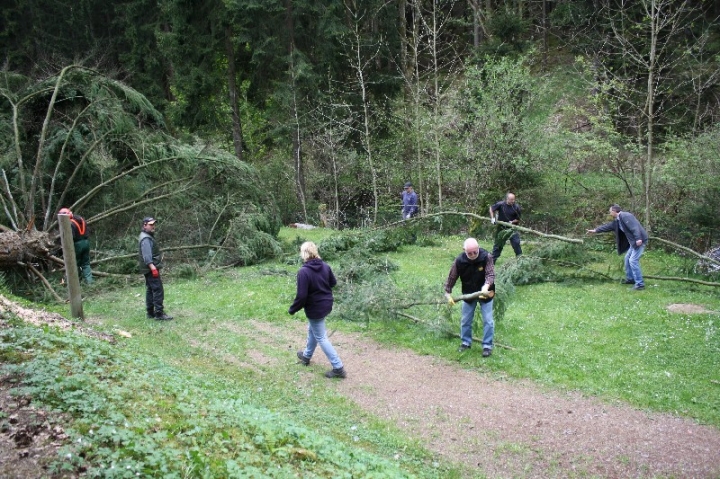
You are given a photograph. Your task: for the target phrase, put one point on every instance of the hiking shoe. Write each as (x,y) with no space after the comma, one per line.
(487,352)
(637,287)
(305,361)
(463,347)
(628,281)
(163,317)
(336,373)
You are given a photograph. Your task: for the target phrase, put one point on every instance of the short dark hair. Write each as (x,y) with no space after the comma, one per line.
(616,208)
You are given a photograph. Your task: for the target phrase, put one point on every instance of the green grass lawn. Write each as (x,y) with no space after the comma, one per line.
(593,336)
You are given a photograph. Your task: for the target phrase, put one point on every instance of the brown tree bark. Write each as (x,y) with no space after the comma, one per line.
(24,246)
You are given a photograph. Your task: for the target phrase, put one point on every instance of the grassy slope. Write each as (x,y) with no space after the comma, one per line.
(595,337)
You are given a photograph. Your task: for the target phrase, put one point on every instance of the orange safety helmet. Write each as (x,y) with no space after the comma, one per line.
(65,211)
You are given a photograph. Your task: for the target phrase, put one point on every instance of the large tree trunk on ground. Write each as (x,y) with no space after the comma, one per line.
(23,246)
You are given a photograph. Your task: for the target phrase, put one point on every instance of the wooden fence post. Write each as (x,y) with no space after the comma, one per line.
(71,270)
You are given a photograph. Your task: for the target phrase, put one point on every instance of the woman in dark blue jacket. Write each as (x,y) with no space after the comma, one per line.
(315,281)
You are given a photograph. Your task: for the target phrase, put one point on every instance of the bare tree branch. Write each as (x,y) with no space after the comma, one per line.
(483,218)
(30,200)
(686,280)
(136,202)
(173,248)
(42,278)
(687,250)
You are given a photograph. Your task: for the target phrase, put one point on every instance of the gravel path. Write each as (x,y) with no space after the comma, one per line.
(512,429)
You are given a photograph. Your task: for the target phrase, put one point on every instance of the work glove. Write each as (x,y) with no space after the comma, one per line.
(485,289)
(492,220)
(154,271)
(450,299)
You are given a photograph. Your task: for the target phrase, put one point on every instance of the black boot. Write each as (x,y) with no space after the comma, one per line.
(162,317)
(151,314)
(336,373)
(304,360)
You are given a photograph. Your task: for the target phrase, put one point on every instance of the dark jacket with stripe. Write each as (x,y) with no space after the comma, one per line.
(627,231)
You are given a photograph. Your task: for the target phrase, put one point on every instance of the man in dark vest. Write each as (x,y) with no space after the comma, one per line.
(631,239)
(150,261)
(81,242)
(476,269)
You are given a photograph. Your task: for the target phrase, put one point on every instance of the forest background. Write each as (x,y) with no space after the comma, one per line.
(226,119)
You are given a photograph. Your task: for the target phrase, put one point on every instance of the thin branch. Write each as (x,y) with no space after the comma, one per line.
(136,202)
(686,280)
(227,203)
(687,250)
(87,196)
(483,218)
(174,248)
(41,141)
(44,281)
(57,166)
(14,216)
(69,181)
(418,320)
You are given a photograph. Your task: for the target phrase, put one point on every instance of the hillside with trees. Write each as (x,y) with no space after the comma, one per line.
(575,104)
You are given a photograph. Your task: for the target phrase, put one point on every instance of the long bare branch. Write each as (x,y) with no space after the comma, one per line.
(79,164)
(173,248)
(484,218)
(61,156)
(30,201)
(134,203)
(687,250)
(686,280)
(93,191)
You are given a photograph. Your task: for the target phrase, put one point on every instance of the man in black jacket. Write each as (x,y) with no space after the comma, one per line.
(476,270)
(631,239)
(150,262)
(509,211)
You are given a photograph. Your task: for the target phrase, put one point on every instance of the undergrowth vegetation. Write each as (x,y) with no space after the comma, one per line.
(137,416)
(207,395)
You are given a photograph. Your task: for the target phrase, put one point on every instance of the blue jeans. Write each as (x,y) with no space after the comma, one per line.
(466,322)
(632,265)
(317,335)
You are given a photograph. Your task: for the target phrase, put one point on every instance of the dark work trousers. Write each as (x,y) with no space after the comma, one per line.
(154,295)
(500,244)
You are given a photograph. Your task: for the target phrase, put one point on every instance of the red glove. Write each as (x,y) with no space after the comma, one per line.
(154,271)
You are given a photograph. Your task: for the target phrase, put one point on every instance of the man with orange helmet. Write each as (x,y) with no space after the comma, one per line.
(81,242)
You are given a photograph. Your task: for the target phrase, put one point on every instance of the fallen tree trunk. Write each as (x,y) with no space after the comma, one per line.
(23,246)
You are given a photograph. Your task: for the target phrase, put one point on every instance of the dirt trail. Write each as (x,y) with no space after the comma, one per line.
(505,429)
